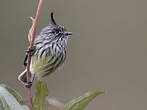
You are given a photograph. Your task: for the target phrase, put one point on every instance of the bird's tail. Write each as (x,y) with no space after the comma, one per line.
(23,77)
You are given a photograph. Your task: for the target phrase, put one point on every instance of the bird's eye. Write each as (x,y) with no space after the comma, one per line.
(57,31)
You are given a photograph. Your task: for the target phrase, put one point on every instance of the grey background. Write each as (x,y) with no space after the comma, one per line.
(108,49)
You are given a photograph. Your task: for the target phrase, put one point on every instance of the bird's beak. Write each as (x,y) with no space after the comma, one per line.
(67,33)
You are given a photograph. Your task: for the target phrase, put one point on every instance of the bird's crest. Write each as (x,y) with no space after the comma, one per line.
(52,19)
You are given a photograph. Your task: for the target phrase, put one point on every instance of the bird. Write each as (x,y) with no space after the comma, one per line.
(48,53)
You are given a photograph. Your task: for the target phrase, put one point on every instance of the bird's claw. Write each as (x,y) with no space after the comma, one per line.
(28,85)
(30,50)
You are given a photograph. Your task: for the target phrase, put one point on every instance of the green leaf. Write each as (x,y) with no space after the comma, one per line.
(81,102)
(10,99)
(39,101)
(16,95)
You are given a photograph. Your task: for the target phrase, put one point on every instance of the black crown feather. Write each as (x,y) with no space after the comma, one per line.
(52,19)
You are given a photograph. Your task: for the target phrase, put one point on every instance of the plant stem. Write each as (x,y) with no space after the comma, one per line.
(28,80)
(31,43)
(35,22)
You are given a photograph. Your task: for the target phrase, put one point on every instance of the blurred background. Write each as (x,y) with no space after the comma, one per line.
(107,51)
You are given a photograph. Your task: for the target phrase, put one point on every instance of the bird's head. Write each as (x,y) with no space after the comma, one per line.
(55,30)
(58,29)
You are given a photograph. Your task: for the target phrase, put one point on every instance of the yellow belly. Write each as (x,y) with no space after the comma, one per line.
(38,65)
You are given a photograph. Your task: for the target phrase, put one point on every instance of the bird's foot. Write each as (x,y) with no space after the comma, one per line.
(30,50)
(28,85)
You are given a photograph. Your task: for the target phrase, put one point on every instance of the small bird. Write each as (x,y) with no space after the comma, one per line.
(49,52)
